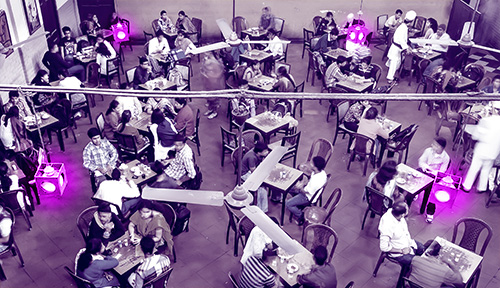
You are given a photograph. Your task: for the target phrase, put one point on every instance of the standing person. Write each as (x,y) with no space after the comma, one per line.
(485,152)
(442,36)
(164,22)
(67,45)
(184,24)
(13,132)
(266,19)
(251,160)
(184,118)
(322,274)
(213,79)
(143,73)
(393,22)
(95,267)
(111,120)
(53,60)
(99,156)
(399,45)
(152,266)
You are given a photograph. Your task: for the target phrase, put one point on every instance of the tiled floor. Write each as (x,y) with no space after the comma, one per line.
(203,257)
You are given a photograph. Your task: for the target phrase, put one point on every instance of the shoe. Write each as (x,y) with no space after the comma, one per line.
(77,115)
(389,81)
(208,112)
(463,188)
(429,218)
(300,222)
(212,116)
(372,215)
(481,192)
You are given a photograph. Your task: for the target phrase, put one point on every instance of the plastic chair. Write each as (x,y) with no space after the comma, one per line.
(308,35)
(229,143)
(233,280)
(350,284)
(317,197)
(408,283)
(381,258)
(321,235)
(245,226)
(381,35)
(360,149)
(11,243)
(279,24)
(320,147)
(312,65)
(403,145)
(378,73)
(155,26)
(333,103)
(298,89)
(473,227)
(170,216)
(112,69)
(16,201)
(83,221)
(99,121)
(161,280)
(80,282)
(147,36)
(474,72)
(185,68)
(292,142)
(128,147)
(84,106)
(250,137)
(378,204)
(231,224)
(322,215)
(239,24)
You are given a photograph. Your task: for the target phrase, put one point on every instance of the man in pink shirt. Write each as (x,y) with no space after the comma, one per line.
(184,118)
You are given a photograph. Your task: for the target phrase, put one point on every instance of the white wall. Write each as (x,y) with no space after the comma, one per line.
(297,13)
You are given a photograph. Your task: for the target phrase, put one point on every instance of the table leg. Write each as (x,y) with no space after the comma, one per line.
(284,193)
(425,199)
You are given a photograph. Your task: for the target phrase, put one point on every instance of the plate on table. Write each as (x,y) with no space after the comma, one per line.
(292,268)
(401,181)
(45,115)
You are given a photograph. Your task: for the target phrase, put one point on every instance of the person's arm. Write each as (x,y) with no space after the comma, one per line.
(153,46)
(87,159)
(446,162)
(112,152)
(106,264)
(61,62)
(158,235)
(6,229)
(26,106)
(305,280)
(45,60)
(382,132)
(424,159)
(453,277)
(118,230)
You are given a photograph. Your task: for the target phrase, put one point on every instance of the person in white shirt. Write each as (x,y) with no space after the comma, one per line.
(275,46)
(435,159)
(256,242)
(105,51)
(159,44)
(128,103)
(399,45)
(394,21)
(164,22)
(304,190)
(442,36)
(119,191)
(395,238)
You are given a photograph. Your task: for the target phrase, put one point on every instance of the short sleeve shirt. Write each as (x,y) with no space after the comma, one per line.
(68,45)
(250,160)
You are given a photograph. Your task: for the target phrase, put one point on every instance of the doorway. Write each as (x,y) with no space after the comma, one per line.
(50,20)
(102,8)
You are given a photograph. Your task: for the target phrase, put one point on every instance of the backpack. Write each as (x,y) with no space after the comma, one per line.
(195,183)
(182,220)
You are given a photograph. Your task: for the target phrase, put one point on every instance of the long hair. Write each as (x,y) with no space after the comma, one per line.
(386,172)
(112,106)
(93,247)
(126,115)
(433,24)
(103,50)
(12,113)
(157,116)
(38,78)
(282,71)
(5,181)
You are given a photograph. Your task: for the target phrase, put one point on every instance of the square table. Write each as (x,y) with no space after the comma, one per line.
(304,260)
(463,83)
(128,255)
(262,83)
(142,122)
(333,54)
(257,55)
(266,123)
(413,182)
(85,59)
(355,86)
(394,127)
(158,83)
(254,33)
(467,262)
(31,127)
(281,179)
(146,172)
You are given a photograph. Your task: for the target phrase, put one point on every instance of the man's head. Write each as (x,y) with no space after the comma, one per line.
(266,11)
(399,210)
(341,60)
(160,35)
(398,14)
(179,142)
(261,149)
(496,82)
(94,136)
(438,145)
(116,174)
(441,29)
(14,96)
(433,249)
(147,245)
(163,14)
(104,213)
(320,255)
(329,16)
(94,246)
(318,164)
(143,62)
(365,62)
(271,33)
(371,113)
(66,31)
(54,48)
(179,103)
(181,34)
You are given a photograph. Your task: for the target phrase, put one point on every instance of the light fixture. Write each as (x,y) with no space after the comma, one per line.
(120,32)
(445,189)
(51,178)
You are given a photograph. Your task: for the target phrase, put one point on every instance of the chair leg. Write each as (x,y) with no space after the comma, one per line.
(235,244)
(364,219)
(227,233)
(18,253)
(60,140)
(175,256)
(222,159)
(335,136)
(27,218)
(350,160)
(367,158)
(379,262)
(2,274)
(301,102)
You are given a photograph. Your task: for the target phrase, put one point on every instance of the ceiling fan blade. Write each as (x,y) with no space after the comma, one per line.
(224,27)
(211,47)
(265,41)
(486,48)
(265,167)
(432,42)
(201,197)
(272,230)
(28,40)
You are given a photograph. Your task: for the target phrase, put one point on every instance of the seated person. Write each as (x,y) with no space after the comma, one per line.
(327,41)
(252,71)
(184,43)
(126,129)
(114,19)
(442,36)
(184,118)
(104,52)
(383,181)
(8,182)
(119,191)
(128,103)
(256,243)
(365,69)
(153,266)
(99,156)
(164,22)
(13,132)
(327,25)
(305,189)
(322,274)
(185,25)
(434,272)
(494,87)
(360,52)
(67,81)
(111,120)
(67,45)
(5,228)
(166,131)
(53,60)
(275,47)
(180,169)
(42,99)
(105,225)
(369,126)
(148,222)
(159,44)
(143,73)
(250,161)
(431,28)
(242,103)
(334,72)
(20,102)
(285,83)
(266,21)
(434,159)
(354,115)
(256,274)
(95,267)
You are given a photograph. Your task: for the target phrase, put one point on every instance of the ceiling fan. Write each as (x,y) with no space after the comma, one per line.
(231,37)
(6,50)
(465,41)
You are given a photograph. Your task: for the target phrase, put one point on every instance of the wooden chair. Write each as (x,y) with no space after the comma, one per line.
(322,215)
(474,72)
(83,221)
(185,68)
(231,224)
(229,143)
(129,74)
(292,142)
(147,36)
(16,201)
(196,136)
(321,236)
(381,35)
(112,69)
(128,147)
(93,80)
(350,284)
(245,226)
(279,25)
(298,89)
(308,35)
(235,157)
(360,150)
(161,280)
(378,204)
(316,21)
(11,243)
(80,282)
(342,108)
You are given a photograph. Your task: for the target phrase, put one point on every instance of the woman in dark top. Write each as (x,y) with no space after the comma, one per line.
(93,266)
(165,131)
(327,24)
(105,225)
(184,24)
(285,81)
(127,129)
(111,120)
(42,79)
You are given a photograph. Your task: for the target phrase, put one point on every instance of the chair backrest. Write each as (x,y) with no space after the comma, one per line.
(233,280)
(126,143)
(161,280)
(84,219)
(308,35)
(250,137)
(279,64)
(342,109)
(147,36)
(321,147)
(239,24)
(291,141)
(316,21)
(100,122)
(197,123)
(126,22)
(408,283)
(364,145)
(378,71)
(228,138)
(300,88)
(198,24)
(419,25)
(332,203)
(473,227)
(245,226)
(460,60)
(321,235)
(80,282)
(279,24)
(485,82)
(130,75)
(14,199)
(405,142)
(10,241)
(232,218)
(93,75)
(167,211)
(381,19)
(113,65)
(378,203)
(155,26)
(474,72)
(235,156)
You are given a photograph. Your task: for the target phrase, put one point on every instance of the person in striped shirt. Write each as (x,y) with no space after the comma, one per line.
(153,265)
(255,274)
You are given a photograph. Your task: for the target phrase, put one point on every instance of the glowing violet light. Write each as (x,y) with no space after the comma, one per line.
(48,187)
(442,196)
